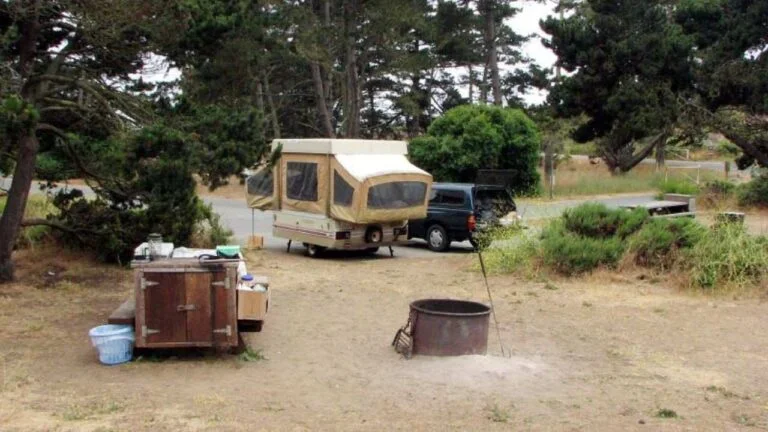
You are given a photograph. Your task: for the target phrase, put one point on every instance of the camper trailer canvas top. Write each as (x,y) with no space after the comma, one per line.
(335,189)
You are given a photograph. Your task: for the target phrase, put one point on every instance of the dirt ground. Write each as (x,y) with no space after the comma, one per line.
(602,353)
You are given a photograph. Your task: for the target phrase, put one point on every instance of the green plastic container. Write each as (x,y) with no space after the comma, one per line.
(228,251)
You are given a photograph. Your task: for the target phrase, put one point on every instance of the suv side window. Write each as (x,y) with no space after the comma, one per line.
(449,198)
(453,198)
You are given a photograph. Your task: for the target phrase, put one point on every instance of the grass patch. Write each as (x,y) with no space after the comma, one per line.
(77,412)
(38,207)
(519,255)
(497,414)
(665,413)
(249,355)
(727,257)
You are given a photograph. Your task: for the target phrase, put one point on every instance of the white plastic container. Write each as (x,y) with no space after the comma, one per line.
(113,342)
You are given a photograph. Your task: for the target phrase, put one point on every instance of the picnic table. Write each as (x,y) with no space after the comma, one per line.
(673,205)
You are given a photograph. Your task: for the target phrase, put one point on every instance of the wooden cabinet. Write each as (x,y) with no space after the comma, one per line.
(186,303)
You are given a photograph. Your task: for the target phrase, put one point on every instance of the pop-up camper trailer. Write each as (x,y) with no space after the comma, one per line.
(341,193)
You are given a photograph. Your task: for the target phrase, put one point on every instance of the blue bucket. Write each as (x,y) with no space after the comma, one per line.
(113,342)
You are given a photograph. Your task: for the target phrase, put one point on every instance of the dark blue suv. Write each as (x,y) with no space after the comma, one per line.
(458,211)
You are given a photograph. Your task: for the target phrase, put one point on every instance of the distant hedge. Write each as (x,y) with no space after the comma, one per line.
(474,137)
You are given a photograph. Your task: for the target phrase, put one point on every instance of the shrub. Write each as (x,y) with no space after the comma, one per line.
(754,193)
(728,256)
(519,255)
(658,242)
(209,232)
(717,193)
(597,221)
(473,137)
(570,253)
(678,186)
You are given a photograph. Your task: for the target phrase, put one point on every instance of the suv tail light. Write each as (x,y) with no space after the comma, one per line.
(471,223)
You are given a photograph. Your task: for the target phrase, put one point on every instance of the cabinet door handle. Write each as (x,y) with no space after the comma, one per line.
(185,308)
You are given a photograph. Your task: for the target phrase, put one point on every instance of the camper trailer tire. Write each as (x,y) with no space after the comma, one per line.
(437,238)
(314,251)
(372,250)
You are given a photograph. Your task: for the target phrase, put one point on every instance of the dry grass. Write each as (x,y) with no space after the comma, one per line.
(581,178)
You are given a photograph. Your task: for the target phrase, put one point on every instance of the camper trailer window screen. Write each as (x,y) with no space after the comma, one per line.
(301,179)
(342,191)
(261,183)
(397,195)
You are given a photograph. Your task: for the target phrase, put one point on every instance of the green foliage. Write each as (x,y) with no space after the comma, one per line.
(628,61)
(598,221)
(150,188)
(485,237)
(518,255)
(658,242)
(666,413)
(209,232)
(754,193)
(570,253)
(470,138)
(674,185)
(728,257)
(728,148)
(717,193)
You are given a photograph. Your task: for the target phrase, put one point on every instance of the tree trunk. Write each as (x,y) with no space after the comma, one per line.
(322,108)
(373,117)
(10,222)
(272,110)
(661,154)
(261,108)
(484,86)
(549,165)
(471,83)
(490,46)
(329,47)
(352,92)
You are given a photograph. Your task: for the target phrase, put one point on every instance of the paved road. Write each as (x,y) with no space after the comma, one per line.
(718,166)
(242,221)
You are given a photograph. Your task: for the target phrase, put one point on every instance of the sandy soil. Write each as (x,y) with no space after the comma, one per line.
(603,353)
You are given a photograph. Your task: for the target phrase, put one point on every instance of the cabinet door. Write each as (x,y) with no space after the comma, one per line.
(198,308)
(160,295)
(224,307)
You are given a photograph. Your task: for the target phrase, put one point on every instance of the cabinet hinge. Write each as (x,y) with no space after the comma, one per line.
(145,283)
(147,331)
(226,330)
(225,283)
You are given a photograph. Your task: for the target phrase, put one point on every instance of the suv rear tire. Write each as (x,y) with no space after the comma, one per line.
(437,238)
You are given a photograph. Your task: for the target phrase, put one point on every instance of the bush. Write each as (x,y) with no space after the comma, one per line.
(597,221)
(521,254)
(570,253)
(754,193)
(728,256)
(678,186)
(474,137)
(658,242)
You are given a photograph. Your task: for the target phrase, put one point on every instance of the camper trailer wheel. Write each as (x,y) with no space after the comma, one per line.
(437,238)
(314,251)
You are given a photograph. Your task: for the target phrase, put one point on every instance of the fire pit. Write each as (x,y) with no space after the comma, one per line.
(444,328)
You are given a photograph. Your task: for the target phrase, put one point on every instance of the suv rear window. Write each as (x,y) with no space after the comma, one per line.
(497,201)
